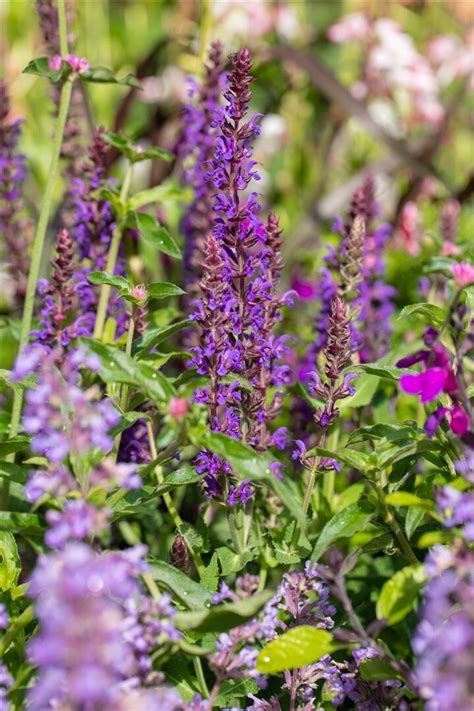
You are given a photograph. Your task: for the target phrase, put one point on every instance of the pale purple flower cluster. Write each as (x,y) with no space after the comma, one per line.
(238,308)
(70,426)
(444,639)
(15,229)
(63,419)
(93,648)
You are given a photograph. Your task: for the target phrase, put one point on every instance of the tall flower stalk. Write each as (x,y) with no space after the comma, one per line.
(239,306)
(43,219)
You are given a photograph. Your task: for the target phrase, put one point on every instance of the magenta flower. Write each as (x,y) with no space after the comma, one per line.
(428,385)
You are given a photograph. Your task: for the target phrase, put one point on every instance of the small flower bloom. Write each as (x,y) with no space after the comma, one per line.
(178,407)
(428,384)
(55,63)
(463,274)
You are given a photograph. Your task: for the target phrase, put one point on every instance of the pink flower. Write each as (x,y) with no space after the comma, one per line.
(463,274)
(428,385)
(179,407)
(55,63)
(305,289)
(449,249)
(351,28)
(410,228)
(459,421)
(77,64)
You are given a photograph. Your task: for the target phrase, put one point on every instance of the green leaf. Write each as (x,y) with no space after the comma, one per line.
(378,669)
(118,367)
(232,562)
(427,313)
(405,498)
(232,690)
(297,647)
(161,290)
(223,617)
(366,387)
(389,372)
(9,470)
(439,265)
(190,593)
(210,577)
(356,460)
(249,464)
(40,67)
(156,336)
(180,477)
(399,594)
(15,444)
(135,153)
(344,524)
(152,195)
(109,279)
(104,75)
(10,565)
(155,234)
(23,523)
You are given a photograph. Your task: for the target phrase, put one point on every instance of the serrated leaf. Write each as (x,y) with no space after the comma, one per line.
(161,290)
(366,387)
(297,647)
(232,562)
(10,565)
(118,367)
(222,617)
(427,313)
(191,594)
(439,265)
(157,235)
(399,594)
(232,690)
(105,278)
(344,524)
(210,576)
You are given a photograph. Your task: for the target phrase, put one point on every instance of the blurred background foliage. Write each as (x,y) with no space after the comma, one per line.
(314,151)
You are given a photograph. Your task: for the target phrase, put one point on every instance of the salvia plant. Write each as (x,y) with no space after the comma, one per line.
(236,486)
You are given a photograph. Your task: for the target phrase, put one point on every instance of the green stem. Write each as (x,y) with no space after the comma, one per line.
(176,518)
(390,519)
(200,677)
(112,257)
(62,26)
(128,352)
(36,255)
(15,629)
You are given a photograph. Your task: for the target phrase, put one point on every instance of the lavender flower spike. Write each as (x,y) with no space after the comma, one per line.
(15,230)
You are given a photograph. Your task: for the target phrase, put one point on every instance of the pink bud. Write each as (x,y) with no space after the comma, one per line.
(449,249)
(77,64)
(179,407)
(139,292)
(55,63)
(463,274)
